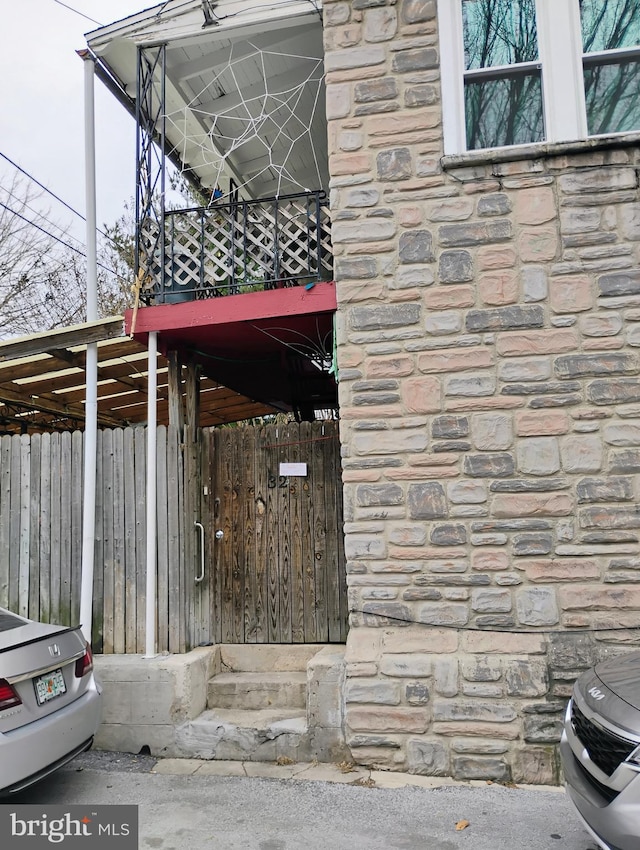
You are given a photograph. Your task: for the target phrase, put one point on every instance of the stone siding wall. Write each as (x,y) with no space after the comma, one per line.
(488,336)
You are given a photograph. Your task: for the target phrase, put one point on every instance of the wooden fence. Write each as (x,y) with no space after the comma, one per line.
(41,492)
(260,590)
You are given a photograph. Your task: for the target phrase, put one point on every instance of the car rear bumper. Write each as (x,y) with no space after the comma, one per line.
(32,751)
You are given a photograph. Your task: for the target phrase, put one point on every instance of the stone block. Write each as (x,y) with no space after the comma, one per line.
(443,614)
(416,246)
(490,601)
(625,434)
(582,453)
(479,233)
(449,534)
(394,164)
(594,365)
(364,546)
(427,758)
(455,267)
(492,431)
(535,766)
(470,767)
(427,501)
(526,545)
(491,465)
(534,283)
(450,427)
(571,294)
(620,391)
(542,730)
(358,268)
(498,288)
(421,59)
(360,232)
(421,95)
(620,283)
(414,665)
(384,316)
(526,678)
(443,323)
(504,318)
(481,668)
(418,11)
(376,691)
(472,386)
(387,719)
(380,24)
(445,678)
(379,494)
(535,205)
(354,58)
(488,712)
(497,203)
(610,489)
(467,492)
(571,651)
(422,395)
(538,245)
(417,693)
(601,326)
(537,606)
(532,504)
(538,455)
(550,341)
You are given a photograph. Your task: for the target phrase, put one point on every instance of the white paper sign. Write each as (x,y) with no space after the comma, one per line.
(293,469)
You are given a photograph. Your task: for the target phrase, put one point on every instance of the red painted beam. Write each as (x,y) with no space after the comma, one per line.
(231,309)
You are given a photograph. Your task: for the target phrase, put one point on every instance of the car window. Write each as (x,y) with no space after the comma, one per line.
(9,621)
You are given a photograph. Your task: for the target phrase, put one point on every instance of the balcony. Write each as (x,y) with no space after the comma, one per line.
(230,248)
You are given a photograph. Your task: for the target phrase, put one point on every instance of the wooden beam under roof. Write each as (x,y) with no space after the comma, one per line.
(44,343)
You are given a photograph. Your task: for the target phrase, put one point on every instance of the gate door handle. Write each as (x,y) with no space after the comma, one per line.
(200,526)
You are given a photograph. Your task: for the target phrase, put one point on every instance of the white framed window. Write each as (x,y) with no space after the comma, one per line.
(518,72)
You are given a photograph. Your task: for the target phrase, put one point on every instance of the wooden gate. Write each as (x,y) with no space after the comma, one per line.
(277,573)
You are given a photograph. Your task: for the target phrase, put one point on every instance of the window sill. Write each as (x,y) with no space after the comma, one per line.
(538,150)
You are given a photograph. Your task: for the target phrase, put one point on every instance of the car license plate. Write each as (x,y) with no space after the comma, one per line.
(49,686)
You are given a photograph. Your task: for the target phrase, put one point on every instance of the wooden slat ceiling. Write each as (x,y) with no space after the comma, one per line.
(42,383)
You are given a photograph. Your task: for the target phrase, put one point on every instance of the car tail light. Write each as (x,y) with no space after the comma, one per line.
(8,697)
(84,665)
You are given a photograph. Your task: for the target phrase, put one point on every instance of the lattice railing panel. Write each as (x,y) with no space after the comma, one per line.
(243,246)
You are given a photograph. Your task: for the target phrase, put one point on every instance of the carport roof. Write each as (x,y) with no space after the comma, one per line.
(42,382)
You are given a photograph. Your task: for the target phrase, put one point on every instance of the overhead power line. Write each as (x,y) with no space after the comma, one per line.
(82,14)
(53,195)
(53,236)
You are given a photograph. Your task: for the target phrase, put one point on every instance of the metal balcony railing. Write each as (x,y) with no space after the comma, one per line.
(235,247)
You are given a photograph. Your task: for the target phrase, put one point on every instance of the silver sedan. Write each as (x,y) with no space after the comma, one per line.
(50,702)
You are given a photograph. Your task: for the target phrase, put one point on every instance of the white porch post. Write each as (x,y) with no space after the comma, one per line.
(152,387)
(91,367)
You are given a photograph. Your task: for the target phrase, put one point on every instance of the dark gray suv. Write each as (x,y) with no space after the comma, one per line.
(600,751)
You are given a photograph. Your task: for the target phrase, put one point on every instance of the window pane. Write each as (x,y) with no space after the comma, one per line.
(499,32)
(504,112)
(609,24)
(613,97)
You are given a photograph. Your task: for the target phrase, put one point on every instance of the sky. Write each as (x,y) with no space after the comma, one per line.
(42,106)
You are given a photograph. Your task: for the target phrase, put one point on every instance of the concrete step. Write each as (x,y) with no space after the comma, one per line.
(267,657)
(245,735)
(258,690)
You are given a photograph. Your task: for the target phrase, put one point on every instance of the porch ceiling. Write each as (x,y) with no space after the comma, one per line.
(42,383)
(244,84)
(265,345)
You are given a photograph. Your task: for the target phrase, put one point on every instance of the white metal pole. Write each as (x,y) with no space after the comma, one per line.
(91,367)
(152,388)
